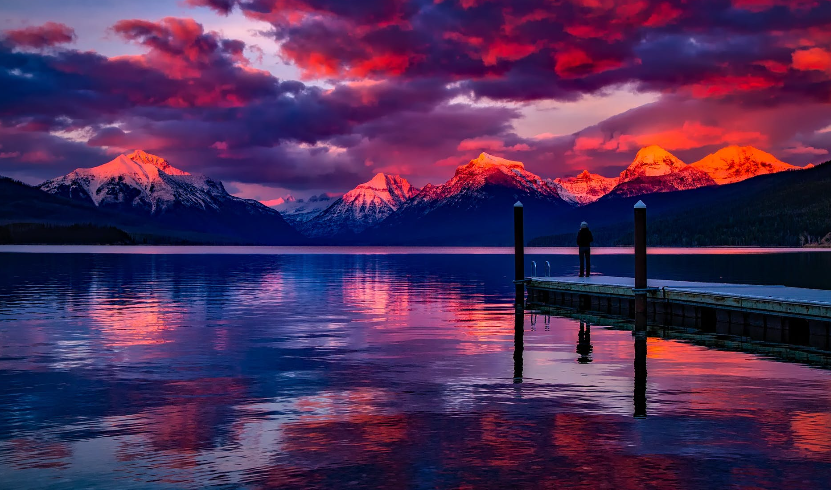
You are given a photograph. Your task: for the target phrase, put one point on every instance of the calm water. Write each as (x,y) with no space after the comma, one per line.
(396,371)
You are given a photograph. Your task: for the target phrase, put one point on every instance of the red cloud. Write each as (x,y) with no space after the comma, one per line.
(814,59)
(664,14)
(573,62)
(507,50)
(181,46)
(48,35)
(719,86)
(762,5)
(691,134)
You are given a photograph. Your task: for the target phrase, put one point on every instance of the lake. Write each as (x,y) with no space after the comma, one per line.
(195,367)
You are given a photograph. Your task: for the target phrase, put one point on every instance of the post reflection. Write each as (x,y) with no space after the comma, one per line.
(519,345)
(584,342)
(640,375)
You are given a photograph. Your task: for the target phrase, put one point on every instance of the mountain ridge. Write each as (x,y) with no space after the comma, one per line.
(474,206)
(148,187)
(736,163)
(362,207)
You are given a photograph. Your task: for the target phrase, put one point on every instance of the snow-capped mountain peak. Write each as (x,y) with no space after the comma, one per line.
(585,187)
(381,192)
(736,163)
(299,211)
(652,161)
(138,181)
(155,193)
(488,169)
(142,157)
(656,170)
(486,160)
(362,207)
(390,189)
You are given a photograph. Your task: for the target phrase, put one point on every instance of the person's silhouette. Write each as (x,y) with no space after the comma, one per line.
(584,343)
(584,243)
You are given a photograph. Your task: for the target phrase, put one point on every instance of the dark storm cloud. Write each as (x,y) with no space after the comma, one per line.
(534,49)
(193,96)
(400,77)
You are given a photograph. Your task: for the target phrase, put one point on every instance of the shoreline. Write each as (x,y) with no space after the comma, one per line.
(386,250)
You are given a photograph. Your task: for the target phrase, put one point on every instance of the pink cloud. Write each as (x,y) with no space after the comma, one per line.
(43,36)
(38,156)
(490,144)
(801,149)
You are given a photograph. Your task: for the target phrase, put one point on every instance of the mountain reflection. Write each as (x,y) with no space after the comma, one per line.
(369,371)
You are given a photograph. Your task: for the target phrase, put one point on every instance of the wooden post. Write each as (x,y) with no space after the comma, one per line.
(519,345)
(640,310)
(640,267)
(639,396)
(519,254)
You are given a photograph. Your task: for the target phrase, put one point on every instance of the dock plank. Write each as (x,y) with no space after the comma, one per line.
(764,298)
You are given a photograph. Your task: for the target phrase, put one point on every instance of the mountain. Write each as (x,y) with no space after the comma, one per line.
(585,188)
(475,207)
(362,207)
(655,170)
(299,211)
(138,182)
(737,163)
(781,209)
(473,180)
(652,161)
(23,203)
(148,187)
(29,215)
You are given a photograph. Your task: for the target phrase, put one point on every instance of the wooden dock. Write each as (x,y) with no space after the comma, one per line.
(769,313)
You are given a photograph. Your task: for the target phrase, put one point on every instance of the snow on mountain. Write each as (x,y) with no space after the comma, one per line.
(362,207)
(737,163)
(486,170)
(684,179)
(140,156)
(474,206)
(652,161)
(147,185)
(297,211)
(138,181)
(657,170)
(585,188)
(273,203)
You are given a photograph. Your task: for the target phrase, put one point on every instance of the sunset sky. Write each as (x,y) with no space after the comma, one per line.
(307,96)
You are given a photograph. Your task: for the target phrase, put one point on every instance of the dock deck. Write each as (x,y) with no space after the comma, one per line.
(775,313)
(779,299)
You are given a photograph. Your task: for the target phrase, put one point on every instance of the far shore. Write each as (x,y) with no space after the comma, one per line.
(388,250)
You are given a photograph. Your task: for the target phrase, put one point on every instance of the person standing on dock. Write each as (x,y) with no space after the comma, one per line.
(584,242)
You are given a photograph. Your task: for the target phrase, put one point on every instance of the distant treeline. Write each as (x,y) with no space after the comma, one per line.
(676,232)
(751,226)
(78,234)
(794,212)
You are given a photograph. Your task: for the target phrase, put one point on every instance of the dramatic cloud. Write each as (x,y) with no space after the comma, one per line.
(533,49)
(693,128)
(38,37)
(415,86)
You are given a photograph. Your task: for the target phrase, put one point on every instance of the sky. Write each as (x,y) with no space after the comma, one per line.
(308,96)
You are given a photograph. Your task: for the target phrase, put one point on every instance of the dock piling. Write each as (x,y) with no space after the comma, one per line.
(519,345)
(519,254)
(640,377)
(640,267)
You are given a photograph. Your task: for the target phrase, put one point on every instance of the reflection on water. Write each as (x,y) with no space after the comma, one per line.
(397,371)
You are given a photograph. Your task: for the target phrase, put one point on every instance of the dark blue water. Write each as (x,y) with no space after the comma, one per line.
(381,371)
